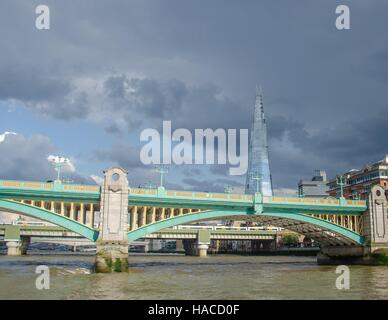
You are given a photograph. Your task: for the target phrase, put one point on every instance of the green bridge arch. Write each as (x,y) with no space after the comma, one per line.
(206,215)
(42,214)
(92,234)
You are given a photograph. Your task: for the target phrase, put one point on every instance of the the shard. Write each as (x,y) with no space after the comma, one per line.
(259,174)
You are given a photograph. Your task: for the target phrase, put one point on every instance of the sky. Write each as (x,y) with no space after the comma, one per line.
(105,71)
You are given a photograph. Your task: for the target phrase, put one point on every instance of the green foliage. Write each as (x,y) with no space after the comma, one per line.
(290,239)
(109,262)
(380,257)
(117,266)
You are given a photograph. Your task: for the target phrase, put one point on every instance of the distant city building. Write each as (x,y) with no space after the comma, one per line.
(357,183)
(258,175)
(316,187)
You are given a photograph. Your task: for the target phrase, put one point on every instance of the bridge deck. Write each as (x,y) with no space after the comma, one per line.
(87,193)
(151,210)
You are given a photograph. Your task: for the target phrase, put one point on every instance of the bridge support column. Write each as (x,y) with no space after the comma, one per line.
(193,248)
(202,249)
(147,246)
(203,242)
(14,248)
(112,244)
(18,247)
(179,246)
(374,251)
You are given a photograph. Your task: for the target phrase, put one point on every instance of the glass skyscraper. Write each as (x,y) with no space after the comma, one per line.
(259,174)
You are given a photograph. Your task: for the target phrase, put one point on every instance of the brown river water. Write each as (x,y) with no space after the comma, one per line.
(183,277)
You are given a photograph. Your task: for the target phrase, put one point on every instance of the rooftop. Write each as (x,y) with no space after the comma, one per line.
(366,168)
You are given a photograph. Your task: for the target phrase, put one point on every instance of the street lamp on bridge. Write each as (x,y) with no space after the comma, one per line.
(162,170)
(59,162)
(341,183)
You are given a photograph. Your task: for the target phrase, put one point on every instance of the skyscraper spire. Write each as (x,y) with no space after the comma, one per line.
(259,105)
(259,174)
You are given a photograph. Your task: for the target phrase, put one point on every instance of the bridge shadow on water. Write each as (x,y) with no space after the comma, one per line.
(210,261)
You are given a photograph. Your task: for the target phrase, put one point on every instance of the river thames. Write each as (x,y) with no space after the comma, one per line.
(182,277)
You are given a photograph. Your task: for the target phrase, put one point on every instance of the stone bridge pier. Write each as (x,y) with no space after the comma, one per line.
(374,251)
(17,245)
(112,243)
(198,247)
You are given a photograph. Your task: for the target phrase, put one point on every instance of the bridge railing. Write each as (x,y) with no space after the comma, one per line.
(241,197)
(48,186)
(54,186)
(316,201)
(192,194)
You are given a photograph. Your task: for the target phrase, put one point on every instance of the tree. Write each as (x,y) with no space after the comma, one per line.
(290,238)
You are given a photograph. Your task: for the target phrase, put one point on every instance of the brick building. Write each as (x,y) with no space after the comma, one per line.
(359,182)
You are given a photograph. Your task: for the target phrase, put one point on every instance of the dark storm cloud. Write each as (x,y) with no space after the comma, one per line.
(26,158)
(132,64)
(377,65)
(336,149)
(42,91)
(26,83)
(278,126)
(345,141)
(149,97)
(66,108)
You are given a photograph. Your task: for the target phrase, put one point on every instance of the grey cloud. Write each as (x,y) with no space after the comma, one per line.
(26,158)
(147,96)
(343,142)
(121,154)
(216,185)
(30,84)
(64,108)
(115,87)
(278,126)
(130,103)
(376,65)
(42,91)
